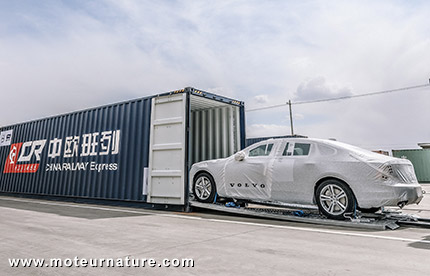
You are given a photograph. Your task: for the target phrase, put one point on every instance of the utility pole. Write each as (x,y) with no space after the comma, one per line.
(291,117)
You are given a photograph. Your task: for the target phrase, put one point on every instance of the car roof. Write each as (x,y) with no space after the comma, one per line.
(335,144)
(367,154)
(317,140)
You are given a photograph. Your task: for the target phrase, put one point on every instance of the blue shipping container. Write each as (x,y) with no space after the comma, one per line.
(114,152)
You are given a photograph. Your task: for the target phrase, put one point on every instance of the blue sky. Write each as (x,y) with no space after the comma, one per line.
(60,56)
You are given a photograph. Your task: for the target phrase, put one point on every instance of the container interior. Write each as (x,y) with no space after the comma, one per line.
(214,129)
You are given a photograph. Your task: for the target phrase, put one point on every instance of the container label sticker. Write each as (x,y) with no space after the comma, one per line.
(11,165)
(25,157)
(6,138)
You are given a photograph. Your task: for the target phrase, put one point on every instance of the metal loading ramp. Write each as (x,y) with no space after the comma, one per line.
(384,221)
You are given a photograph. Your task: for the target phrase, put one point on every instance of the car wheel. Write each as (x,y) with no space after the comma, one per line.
(334,199)
(204,187)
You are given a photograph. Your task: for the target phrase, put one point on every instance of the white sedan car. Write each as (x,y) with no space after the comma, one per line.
(337,177)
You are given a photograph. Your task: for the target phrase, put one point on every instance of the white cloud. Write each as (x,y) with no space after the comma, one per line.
(318,88)
(265,130)
(297,116)
(63,56)
(261,99)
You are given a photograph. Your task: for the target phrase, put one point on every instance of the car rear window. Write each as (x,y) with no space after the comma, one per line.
(262,150)
(301,149)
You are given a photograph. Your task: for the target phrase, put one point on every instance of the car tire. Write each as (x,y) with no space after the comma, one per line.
(204,188)
(334,199)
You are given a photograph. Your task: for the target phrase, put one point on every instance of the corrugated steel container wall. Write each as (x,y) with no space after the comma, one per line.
(420,158)
(116,135)
(242,126)
(213,134)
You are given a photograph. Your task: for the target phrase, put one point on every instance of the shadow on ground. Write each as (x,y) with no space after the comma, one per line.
(67,211)
(421,245)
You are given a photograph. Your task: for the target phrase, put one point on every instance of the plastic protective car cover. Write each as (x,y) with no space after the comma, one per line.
(376,180)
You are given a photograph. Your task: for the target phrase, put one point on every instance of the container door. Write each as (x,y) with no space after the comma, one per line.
(166,178)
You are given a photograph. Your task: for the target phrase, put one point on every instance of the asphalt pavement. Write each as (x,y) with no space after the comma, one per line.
(218,244)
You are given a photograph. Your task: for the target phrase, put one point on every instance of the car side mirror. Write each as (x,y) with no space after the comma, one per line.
(239,156)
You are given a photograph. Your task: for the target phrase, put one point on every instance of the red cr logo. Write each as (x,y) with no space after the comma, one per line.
(13,153)
(11,165)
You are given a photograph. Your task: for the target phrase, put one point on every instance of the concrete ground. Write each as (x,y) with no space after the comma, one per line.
(219,244)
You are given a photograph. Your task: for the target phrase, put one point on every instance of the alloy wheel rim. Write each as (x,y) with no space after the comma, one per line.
(333,199)
(203,188)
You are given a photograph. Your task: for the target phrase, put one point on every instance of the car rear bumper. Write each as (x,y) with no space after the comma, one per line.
(408,195)
(392,195)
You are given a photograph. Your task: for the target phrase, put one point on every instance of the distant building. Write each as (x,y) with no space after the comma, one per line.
(424,145)
(420,158)
(381,152)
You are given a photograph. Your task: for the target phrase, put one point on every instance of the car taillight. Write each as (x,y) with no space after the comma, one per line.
(403,173)
(386,171)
